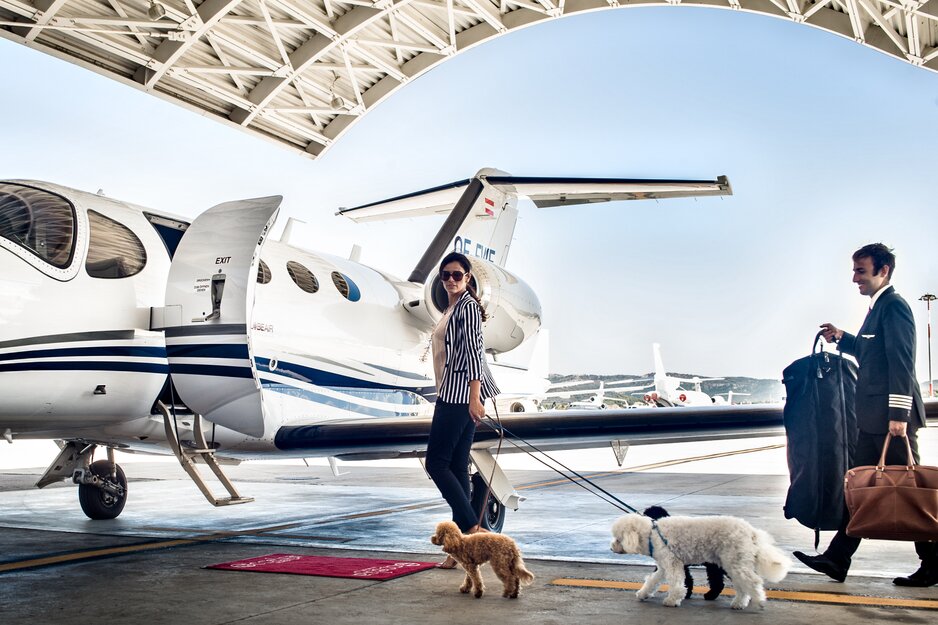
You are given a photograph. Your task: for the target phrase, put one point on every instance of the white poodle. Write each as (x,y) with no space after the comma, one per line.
(747,554)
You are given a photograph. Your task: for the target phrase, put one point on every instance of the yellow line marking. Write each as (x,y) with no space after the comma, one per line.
(787,595)
(94,553)
(207,536)
(124,549)
(656,465)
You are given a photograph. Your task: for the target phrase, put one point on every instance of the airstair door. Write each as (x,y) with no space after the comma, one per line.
(209,300)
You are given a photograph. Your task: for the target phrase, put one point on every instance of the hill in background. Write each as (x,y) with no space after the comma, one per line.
(745,390)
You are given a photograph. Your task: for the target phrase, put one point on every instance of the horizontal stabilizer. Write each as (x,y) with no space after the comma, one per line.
(548,192)
(435,201)
(545,192)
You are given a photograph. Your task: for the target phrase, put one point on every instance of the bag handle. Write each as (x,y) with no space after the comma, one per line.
(817,341)
(908,447)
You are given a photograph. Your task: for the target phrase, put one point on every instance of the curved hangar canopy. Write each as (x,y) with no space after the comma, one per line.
(302,71)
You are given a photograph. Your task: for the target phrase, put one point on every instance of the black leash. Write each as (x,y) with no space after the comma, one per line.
(498,450)
(580,480)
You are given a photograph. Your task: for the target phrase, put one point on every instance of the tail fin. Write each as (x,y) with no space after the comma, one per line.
(662,384)
(772,563)
(482,211)
(480,218)
(481,224)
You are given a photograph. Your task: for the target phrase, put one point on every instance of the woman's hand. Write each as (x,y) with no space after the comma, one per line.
(476,410)
(476,407)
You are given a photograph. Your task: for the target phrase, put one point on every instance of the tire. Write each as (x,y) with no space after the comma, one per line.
(98,504)
(494,518)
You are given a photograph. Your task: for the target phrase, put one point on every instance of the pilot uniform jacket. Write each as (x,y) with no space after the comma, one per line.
(885,350)
(465,354)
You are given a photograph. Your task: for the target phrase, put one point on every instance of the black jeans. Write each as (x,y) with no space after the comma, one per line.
(869,449)
(451,434)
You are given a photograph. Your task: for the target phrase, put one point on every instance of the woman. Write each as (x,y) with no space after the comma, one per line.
(463,382)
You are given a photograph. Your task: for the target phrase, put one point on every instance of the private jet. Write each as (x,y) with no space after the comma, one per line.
(124,327)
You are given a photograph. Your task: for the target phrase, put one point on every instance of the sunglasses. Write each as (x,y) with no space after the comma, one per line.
(455,275)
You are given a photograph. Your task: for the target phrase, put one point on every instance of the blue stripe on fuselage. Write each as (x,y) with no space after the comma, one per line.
(107,350)
(404,399)
(90,365)
(326,378)
(207,350)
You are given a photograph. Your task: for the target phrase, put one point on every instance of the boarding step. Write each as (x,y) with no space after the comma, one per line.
(200,452)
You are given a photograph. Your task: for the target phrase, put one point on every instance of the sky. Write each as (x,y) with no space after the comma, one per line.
(828,145)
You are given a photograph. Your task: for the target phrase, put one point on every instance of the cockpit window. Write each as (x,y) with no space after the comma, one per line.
(114,251)
(41,222)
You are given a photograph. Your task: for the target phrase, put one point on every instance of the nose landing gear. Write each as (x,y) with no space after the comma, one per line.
(102,489)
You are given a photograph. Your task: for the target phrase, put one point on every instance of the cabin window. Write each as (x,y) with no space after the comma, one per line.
(263,273)
(39,221)
(303,277)
(346,287)
(114,251)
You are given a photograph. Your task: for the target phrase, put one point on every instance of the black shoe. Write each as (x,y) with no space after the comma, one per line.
(925,576)
(823,564)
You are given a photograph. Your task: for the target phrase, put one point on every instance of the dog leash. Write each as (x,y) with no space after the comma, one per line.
(488,482)
(580,480)
(651,548)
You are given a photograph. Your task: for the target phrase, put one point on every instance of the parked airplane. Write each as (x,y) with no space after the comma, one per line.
(669,390)
(597,397)
(128,328)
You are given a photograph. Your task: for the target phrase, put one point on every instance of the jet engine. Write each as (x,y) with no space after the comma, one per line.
(514,312)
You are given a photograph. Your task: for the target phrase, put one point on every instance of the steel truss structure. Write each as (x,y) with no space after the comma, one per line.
(301,72)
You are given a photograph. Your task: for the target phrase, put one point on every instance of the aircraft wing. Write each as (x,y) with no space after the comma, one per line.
(548,192)
(362,439)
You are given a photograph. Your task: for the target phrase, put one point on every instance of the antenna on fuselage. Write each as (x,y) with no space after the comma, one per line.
(288,229)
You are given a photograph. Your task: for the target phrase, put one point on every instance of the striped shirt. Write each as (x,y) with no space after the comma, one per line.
(465,354)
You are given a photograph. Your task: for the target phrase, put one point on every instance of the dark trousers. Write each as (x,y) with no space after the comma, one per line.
(869,449)
(451,434)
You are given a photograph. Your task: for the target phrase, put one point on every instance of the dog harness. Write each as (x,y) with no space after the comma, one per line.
(651,548)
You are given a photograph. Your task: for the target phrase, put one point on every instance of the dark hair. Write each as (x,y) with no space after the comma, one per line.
(456,257)
(881,256)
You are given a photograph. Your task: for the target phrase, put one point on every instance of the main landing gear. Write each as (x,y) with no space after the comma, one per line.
(102,486)
(493,517)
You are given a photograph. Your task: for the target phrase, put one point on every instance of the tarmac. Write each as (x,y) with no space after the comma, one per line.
(56,566)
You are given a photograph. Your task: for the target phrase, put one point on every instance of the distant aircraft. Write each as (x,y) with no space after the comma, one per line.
(669,390)
(597,400)
(123,327)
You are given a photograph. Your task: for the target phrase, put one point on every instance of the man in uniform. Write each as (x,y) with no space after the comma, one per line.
(888,399)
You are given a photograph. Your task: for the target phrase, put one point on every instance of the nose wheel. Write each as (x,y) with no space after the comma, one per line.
(103,493)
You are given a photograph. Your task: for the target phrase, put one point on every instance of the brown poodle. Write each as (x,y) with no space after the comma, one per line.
(474,550)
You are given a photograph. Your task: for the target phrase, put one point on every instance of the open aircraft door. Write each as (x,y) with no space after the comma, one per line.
(207,318)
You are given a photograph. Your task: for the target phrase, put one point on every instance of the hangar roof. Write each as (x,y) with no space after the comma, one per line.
(301,72)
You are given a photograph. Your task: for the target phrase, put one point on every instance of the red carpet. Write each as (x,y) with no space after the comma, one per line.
(360,568)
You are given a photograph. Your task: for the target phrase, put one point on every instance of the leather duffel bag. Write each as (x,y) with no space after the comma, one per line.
(893,502)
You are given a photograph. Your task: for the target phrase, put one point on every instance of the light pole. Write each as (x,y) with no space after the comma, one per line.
(928,298)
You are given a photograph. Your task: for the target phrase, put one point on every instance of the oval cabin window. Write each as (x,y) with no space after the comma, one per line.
(114,251)
(346,287)
(303,277)
(263,273)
